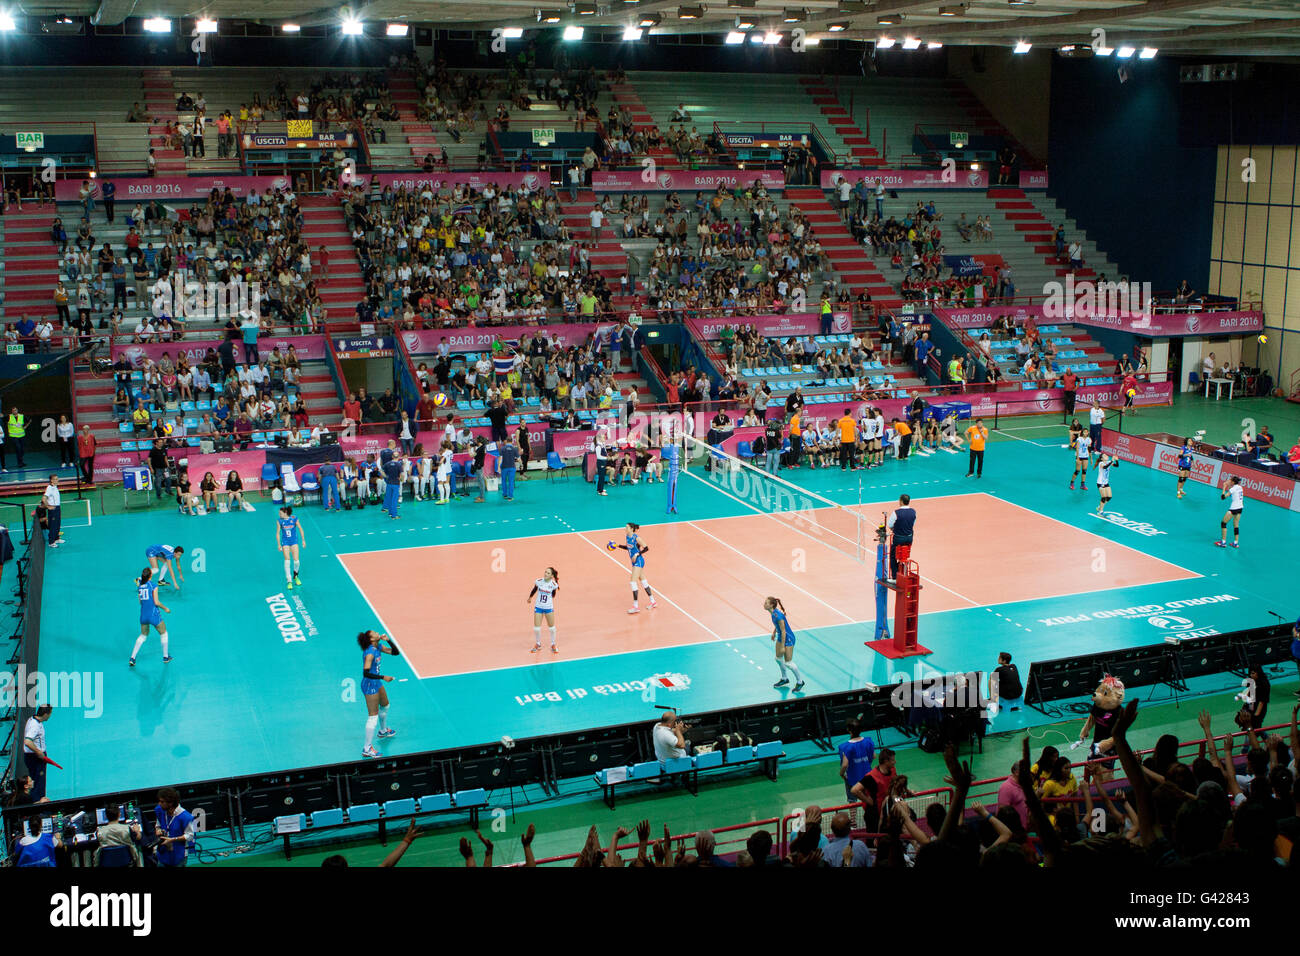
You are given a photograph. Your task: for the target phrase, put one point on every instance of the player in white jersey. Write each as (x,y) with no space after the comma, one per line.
(1232,489)
(1104,464)
(544,589)
(1096,419)
(1082,459)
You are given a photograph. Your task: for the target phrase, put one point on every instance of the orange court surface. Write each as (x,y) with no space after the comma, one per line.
(463,608)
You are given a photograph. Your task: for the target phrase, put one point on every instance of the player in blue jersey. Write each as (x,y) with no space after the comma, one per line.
(636,551)
(1184,465)
(671,454)
(151,613)
(288,538)
(167,554)
(783,635)
(372,686)
(544,589)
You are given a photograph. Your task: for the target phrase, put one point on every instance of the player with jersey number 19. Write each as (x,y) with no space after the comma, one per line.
(544,589)
(1237,493)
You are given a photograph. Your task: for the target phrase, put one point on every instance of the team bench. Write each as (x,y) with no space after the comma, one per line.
(297,824)
(688,769)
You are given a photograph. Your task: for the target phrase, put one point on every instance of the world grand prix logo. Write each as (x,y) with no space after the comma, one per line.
(531,182)
(1193,324)
(412,341)
(1170,622)
(665,180)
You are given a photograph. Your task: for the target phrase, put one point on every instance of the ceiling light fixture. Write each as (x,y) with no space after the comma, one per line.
(1022,46)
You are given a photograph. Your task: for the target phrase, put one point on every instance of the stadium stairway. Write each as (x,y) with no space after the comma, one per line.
(852,265)
(29,263)
(861,152)
(323,225)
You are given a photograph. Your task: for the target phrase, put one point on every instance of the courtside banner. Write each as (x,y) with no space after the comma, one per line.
(426,341)
(773,326)
(173,188)
(1157,325)
(908,178)
(307,347)
(1207,470)
(1033,179)
(630,180)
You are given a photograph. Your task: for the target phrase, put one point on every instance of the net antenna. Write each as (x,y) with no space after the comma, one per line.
(833,525)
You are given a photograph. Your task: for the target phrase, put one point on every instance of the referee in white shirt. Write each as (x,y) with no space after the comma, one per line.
(34,743)
(54,502)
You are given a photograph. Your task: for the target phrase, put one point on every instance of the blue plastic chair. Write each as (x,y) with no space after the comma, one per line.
(555,463)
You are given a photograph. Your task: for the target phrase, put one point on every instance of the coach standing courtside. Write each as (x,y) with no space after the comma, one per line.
(902,524)
(977,434)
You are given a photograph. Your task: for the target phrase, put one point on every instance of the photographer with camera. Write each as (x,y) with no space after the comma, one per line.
(669,736)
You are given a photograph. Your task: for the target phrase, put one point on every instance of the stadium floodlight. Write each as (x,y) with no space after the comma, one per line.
(772,38)
(1023,46)
(352,28)
(839,27)
(573,33)
(884,43)
(398,29)
(934,45)
(1125,52)
(795,14)
(889,19)
(633,33)
(911,43)
(1148,53)
(290,28)
(7,24)
(584,9)
(157,25)
(205,25)
(954,10)
(651,19)
(512,33)
(812,41)
(1103,50)
(745,22)
(756,38)
(550,16)
(734,37)
(690,13)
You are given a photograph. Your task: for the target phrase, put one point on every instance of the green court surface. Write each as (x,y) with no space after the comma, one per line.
(240,698)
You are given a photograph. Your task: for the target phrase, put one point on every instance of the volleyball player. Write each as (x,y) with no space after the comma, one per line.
(1104,464)
(151,613)
(444,473)
(784,638)
(544,607)
(167,553)
(672,454)
(1075,431)
(1184,465)
(1232,489)
(288,538)
(1082,459)
(372,686)
(876,442)
(637,552)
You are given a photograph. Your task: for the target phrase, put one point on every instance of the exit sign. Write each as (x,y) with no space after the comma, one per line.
(30,140)
(958,139)
(543,135)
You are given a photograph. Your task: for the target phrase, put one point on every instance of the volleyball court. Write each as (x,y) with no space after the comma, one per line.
(463,608)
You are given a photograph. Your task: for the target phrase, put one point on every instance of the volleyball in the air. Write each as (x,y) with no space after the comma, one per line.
(167,428)
(610,546)
(1132,392)
(1263,339)
(440,399)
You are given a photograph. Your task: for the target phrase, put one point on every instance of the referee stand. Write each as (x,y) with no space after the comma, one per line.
(907,602)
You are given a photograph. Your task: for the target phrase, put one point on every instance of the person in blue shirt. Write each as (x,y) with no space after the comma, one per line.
(108,192)
(392,469)
(329,486)
(175,828)
(636,551)
(289,538)
(509,468)
(783,635)
(35,850)
(151,613)
(856,756)
(1184,465)
(372,686)
(166,553)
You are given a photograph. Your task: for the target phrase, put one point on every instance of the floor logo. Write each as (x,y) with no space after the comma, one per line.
(1167,622)
(671,681)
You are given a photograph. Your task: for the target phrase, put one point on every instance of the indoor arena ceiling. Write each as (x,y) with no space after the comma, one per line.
(1193,27)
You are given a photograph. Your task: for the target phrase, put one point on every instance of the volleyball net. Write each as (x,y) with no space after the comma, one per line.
(800,510)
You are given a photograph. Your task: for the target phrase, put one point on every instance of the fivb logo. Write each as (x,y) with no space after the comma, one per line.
(213,300)
(1088,299)
(68,690)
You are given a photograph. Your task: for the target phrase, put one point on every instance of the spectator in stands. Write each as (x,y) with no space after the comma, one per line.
(841,849)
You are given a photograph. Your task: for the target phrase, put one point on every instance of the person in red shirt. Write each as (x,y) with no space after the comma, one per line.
(1069,382)
(1129,390)
(86,454)
(1294,456)
(351,416)
(872,788)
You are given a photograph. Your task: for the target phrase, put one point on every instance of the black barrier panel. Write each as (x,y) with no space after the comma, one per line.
(1218,654)
(397,779)
(29,653)
(580,758)
(1142,666)
(292,793)
(791,720)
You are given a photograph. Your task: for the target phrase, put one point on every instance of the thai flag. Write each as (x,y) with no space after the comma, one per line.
(503,362)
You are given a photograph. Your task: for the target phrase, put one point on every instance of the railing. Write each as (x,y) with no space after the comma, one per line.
(832,158)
